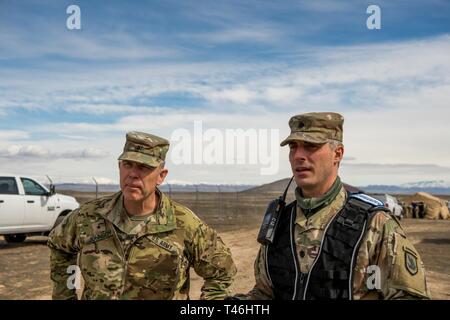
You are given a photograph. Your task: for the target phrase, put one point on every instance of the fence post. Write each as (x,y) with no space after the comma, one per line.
(220,202)
(96,187)
(196,198)
(170,189)
(237,201)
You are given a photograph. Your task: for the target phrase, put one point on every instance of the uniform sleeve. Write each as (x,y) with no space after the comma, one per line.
(388,265)
(262,289)
(63,244)
(212,260)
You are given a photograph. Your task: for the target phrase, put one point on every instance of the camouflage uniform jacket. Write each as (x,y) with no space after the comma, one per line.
(384,245)
(151,263)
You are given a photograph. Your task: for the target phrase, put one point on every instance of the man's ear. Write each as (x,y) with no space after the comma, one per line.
(339,153)
(162,175)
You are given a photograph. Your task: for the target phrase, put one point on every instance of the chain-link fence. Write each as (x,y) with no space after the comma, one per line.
(225,206)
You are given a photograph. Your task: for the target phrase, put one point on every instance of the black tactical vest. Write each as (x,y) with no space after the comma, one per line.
(330,276)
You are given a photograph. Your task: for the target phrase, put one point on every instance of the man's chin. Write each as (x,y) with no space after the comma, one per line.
(132,196)
(303,182)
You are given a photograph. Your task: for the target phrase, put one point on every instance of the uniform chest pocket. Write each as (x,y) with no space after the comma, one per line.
(154,265)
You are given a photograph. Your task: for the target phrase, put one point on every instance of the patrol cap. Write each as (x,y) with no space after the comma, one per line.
(145,148)
(315,127)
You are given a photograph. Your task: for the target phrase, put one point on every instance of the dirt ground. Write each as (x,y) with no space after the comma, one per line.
(24,268)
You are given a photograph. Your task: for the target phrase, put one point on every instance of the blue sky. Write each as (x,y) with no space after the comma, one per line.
(67,97)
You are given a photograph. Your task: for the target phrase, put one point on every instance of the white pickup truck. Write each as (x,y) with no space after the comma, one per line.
(29,208)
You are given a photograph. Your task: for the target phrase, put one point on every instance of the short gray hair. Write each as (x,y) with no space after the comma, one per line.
(334,144)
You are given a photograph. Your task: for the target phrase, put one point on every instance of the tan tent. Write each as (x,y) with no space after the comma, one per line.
(436,207)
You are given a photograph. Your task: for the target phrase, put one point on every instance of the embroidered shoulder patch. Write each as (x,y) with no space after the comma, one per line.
(410,262)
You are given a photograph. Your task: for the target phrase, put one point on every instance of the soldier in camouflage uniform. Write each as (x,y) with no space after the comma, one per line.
(330,244)
(137,243)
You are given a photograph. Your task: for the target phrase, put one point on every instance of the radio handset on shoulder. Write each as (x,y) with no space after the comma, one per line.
(272,216)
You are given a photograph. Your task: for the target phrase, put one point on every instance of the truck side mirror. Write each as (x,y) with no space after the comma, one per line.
(52,190)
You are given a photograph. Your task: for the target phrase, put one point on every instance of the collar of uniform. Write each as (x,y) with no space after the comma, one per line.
(320,219)
(163,219)
(107,210)
(312,205)
(164,214)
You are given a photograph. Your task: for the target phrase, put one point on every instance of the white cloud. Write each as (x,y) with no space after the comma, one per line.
(241,33)
(82,154)
(238,95)
(101,109)
(119,46)
(37,152)
(283,95)
(13,134)
(394,97)
(17,151)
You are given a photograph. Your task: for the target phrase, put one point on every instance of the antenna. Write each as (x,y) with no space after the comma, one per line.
(287,188)
(51,182)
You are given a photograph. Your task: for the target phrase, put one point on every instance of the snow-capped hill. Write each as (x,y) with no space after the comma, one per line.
(427,184)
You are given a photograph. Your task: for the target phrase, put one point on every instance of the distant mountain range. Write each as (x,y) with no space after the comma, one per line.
(438,187)
(203,187)
(280,185)
(428,184)
(86,187)
(409,188)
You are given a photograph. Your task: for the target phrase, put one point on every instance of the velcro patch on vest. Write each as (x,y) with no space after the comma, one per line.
(367,199)
(100,236)
(162,243)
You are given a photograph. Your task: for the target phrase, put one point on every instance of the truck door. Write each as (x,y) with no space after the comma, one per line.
(37,217)
(11,205)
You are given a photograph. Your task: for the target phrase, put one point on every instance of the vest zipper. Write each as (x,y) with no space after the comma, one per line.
(294,254)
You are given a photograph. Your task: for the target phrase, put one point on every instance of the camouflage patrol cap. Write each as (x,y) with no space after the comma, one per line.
(315,127)
(145,148)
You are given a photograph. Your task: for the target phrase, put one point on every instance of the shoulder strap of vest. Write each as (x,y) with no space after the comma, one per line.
(288,208)
(364,203)
(367,201)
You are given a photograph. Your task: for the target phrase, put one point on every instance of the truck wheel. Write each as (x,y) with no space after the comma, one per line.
(15,238)
(58,221)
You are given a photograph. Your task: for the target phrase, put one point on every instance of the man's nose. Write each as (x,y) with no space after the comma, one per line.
(299,154)
(134,172)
